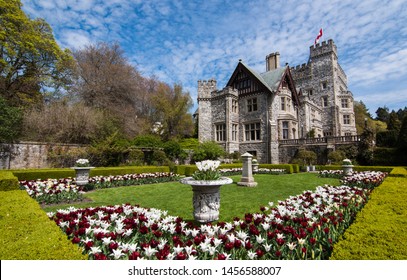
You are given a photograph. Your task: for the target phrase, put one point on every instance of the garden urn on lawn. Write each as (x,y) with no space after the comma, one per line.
(206,183)
(347,167)
(82,170)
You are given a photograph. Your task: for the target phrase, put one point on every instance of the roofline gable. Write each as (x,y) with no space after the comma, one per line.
(251,73)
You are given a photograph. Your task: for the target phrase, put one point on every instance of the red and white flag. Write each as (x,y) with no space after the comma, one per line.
(318,36)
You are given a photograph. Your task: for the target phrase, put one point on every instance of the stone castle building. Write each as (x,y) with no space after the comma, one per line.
(255,111)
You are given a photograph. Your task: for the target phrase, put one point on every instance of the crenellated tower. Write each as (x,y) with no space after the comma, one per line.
(324,82)
(205,89)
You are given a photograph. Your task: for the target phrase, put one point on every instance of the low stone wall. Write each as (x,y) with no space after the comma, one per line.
(30,154)
(288,152)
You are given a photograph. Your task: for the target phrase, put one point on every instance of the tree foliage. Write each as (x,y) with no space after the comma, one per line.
(32,65)
(10,122)
(393,122)
(402,138)
(64,123)
(363,119)
(366,147)
(208,150)
(382,114)
(105,80)
(171,105)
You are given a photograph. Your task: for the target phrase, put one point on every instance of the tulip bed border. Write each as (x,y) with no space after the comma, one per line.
(302,227)
(66,190)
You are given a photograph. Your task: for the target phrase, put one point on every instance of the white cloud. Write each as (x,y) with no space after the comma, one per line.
(184,41)
(75,39)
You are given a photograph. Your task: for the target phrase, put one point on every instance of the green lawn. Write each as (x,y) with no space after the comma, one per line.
(235,200)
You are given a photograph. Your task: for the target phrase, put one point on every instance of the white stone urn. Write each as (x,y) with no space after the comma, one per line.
(206,197)
(347,167)
(82,175)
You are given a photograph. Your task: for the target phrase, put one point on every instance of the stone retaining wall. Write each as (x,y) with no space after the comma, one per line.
(30,154)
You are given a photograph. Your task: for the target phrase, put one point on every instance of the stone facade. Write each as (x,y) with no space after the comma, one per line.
(257,110)
(324,83)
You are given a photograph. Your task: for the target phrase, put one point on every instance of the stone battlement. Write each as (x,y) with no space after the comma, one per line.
(323,48)
(208,83)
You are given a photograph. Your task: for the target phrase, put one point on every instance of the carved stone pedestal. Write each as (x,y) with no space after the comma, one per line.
(206,198)
(82,175)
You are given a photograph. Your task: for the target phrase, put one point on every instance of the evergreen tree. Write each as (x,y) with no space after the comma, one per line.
(393,123)
(382,114)
(366,147)
(402,141)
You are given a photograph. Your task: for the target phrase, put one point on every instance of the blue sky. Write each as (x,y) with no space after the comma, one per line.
(186,41)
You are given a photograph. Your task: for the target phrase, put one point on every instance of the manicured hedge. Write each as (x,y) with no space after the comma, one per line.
(398,172)
(57,173)
(26,233)
(106,171)
(379,231)
(8,181)
(288,167)
(356,168)
(180,169)
(43,173)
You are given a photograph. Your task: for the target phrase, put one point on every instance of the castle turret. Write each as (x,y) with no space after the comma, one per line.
(325,83)
(205,89)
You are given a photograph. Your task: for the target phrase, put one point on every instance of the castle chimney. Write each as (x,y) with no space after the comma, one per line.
(272,61)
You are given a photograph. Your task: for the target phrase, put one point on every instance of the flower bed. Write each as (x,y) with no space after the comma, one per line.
(238,171)
(301,227)
(65,190)
(100,182)
(53,191)
(331,173)
(367,179)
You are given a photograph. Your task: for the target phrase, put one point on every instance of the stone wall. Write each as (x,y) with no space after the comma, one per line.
(288,152)
(25,155)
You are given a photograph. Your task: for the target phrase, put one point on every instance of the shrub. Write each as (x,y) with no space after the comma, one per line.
(172,149)
(107,171)
(378,232)
(8,181)
(159,158)
(180,169)
(336,157)
(28,234)
(147,141)
(305,157)
(209,150)
(398,172)
(384,156)
(61,157)
(34,174)
(387,138)
(135,157)
(46,173)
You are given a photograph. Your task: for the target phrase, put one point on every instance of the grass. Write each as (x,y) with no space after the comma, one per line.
(176,198)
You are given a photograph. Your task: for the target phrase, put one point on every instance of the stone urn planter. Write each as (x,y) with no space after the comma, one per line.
(347,167)
(82,175)
(206,197)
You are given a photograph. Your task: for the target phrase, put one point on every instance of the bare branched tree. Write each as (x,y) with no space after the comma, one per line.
(107,81)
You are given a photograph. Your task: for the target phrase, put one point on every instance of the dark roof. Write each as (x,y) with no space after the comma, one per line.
(271,79)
